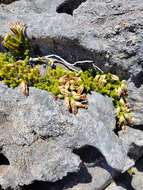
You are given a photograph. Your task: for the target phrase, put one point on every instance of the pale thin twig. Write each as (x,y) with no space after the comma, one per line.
(71,66)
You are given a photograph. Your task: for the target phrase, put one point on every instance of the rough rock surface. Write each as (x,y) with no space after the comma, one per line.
(133,141)
(136,103)
(101,174)
(38,135)
(88,178)
(137,179)
(128,181)
(113,186)
(6,1)
(110,32)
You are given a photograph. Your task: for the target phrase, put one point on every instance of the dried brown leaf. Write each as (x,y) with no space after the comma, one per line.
(67,103)
(74,108)
(24,88)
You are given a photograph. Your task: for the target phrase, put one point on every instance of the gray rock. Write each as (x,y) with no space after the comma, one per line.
(34,6)
(38,136)
(100,174)
(133,141)
(133,137)
(109,32)
(114,186)
(128,181)
(6,1)
(86,179)
(137,180)
(136,103)
(100,179)
(68,6)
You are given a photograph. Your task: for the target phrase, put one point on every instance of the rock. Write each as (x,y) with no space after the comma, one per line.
(94,174)
(123,182)
(38,136)
(6,1)
(127,181)
(109,32)
(100,179)
(68,6)
(114,186)
(100,173)
(132,139)
(33,6)
(83,180)
(136,103)
(137,180)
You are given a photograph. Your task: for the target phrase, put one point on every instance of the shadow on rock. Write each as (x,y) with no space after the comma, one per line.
(70,180)
(69,6)
(139,127)
(139,164)
(138,79)
(135,151)
(125,181)
(92,157)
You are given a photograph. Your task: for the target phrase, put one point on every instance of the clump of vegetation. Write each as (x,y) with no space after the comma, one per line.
(17,41)
(112,86)
(72,86)
(13,72)
(72,90)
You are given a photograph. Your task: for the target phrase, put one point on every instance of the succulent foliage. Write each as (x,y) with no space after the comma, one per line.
(16,41)
(71,86)
(72,89)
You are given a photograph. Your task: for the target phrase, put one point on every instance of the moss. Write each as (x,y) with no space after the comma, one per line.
(13,72)
(50,82)
(74,87)
(6,58)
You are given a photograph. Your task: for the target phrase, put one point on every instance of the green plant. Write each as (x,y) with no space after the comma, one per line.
(64,83)
(50,81)
(72,90)
(17,42)
(12,72)
(112,86)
